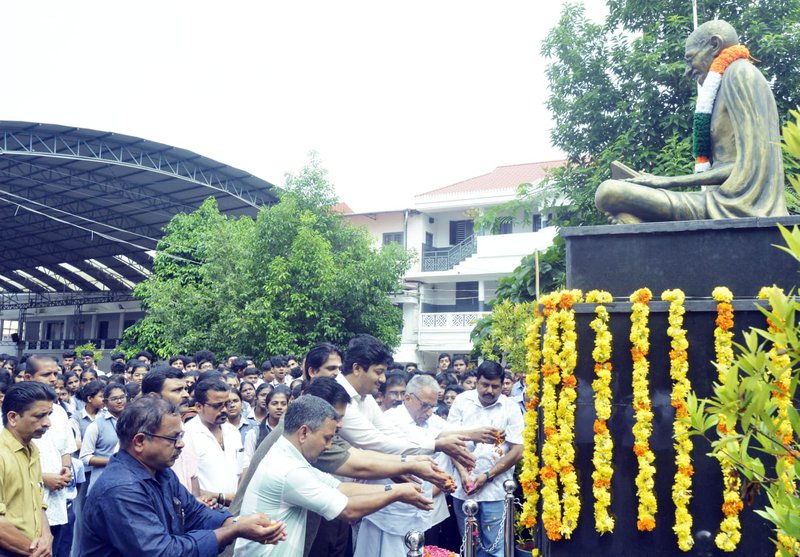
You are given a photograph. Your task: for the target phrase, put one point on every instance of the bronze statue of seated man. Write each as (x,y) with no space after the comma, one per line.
(745,178)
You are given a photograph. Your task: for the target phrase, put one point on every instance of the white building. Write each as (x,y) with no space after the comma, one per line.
(457,268)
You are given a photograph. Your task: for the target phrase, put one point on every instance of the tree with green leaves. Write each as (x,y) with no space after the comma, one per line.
(294,276)
(618,92)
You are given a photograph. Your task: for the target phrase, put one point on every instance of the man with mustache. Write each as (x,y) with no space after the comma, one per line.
(217,444)
(24,529)
(487,406)
(55,446)
(138,507)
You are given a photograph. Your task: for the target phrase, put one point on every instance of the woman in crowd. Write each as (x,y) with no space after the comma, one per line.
(138,369)
(248,392)
(87,375)
(260,409)
(277,400)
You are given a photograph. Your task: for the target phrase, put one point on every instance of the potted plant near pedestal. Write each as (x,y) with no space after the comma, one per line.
(525,542)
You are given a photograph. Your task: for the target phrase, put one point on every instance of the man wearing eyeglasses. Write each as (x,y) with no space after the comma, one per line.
(100,439)
(217,444)
(381,533)
(138,507)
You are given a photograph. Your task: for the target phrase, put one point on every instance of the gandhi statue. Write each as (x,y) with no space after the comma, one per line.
(745,178)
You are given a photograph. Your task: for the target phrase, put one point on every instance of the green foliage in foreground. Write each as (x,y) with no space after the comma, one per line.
(296,275)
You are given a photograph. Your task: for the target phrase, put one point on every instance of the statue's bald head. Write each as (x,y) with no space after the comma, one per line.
(717,28)
(705,44)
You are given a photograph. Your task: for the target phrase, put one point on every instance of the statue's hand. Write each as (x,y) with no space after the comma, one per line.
(648,180)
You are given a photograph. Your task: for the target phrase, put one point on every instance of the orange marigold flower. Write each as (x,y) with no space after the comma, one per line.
(600,426)
(687,470)
(642,406)
(732,508)
(570,381)
(637,353)
(682,412)
(547,473)
(677,355)
(643,296)
(550,431)
(646,524)
(568,469)
(640,449)
(787,439)
(781,387)
(567,300)
(601,484)
(598,368)
(727,56)
(553,527)
(549,369)
(529,521)
(532,403)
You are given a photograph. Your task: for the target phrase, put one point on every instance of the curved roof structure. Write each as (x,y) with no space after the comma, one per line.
(81,210)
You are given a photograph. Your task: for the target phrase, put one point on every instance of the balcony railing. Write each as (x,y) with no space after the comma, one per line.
(460,320)
(446,259)
(66,344)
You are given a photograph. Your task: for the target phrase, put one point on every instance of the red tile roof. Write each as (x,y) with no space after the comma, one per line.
(501,178)
(342,208)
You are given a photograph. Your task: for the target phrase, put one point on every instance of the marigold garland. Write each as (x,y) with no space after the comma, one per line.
(643,410)
(568,358)
(603,443)
(681,387)
(730,529)
(551,507)
(530,459)
(559,358)
(782,379)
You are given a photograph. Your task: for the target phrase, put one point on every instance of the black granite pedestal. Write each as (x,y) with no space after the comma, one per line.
(695,257)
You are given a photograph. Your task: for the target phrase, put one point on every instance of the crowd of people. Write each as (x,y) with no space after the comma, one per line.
(336,453)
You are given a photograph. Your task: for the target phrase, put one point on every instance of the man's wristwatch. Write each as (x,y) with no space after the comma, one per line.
(387,487)
(488,477)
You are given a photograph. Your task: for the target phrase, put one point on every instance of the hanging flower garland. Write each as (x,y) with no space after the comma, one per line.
(701,132)
(568,359)
(551,345)
(643,410)
(681,387)
(730,529)
(530,459)
(603,444)
(782,379)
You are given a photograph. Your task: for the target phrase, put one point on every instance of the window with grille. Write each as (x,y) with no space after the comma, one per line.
(392,238)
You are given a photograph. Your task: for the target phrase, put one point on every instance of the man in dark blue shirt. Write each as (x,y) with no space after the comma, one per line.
(138,507)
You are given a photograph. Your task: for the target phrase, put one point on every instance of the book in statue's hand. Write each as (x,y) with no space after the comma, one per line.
(621,171)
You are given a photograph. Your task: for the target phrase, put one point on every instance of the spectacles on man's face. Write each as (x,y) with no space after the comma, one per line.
(117,398)
(424,405)
(217,405)
(175,440)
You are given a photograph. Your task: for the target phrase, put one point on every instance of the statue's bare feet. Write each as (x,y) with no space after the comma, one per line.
(624,218)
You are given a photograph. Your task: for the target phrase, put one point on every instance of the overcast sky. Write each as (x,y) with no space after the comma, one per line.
(397,98)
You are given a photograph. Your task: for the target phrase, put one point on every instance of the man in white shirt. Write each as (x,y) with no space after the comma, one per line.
(55,448)
(286,486)
(486,405)
(381,533)
(217,444)
(364,425)
(88,361)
